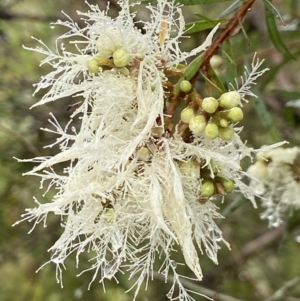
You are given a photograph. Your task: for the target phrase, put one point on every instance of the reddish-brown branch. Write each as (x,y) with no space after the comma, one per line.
(230,30)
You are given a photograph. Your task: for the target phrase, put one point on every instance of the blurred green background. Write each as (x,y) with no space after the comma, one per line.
(261,261)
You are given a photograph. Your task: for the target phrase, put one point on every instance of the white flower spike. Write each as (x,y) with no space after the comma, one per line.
(131,189)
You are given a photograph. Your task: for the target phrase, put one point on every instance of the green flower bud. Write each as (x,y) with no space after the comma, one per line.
(211,131)
(230,99)
(227,184)
(187,114)
(197,124)
(210,104)
(226,134)
(92,65)
(143,154)
(235,114)
(207,188)
(223,123)
(121,57)
(216,61)
(185,86)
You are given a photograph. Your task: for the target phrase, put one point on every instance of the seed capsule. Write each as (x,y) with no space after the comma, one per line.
(210,104)
(230,99)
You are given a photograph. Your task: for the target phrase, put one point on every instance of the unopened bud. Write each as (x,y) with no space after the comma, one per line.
(230,99)
(197,124)
(211,131)
(207,188)
(235,114)
(226,134)
(121,57)
(187,114)
(185,86)
(92,65)
(227,184)
(223,123)
(210,104)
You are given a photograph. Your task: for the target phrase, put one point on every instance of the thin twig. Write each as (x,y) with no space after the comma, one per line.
(285,290)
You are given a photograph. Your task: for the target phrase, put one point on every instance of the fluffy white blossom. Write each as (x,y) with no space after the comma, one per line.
(277,174)
(130,190)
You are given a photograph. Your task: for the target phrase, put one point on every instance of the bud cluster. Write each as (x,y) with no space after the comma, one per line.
(215,117)
(209,176)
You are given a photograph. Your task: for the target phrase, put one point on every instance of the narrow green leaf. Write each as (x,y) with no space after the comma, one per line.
(189,2)
(212,84)
(231,72)
(230,9)
(274,10)
(265,117)
(274,34)
(202,25)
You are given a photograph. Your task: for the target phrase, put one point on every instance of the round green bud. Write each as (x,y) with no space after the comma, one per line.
(227,184)
(226,134)
(216,61)
(210,104)
(143,154)
(185,86)
(230,99)
(207,188)
(223,123)
(187,114)
(92,65)
(235,114)
(211,131)
(121,57)
(197,124)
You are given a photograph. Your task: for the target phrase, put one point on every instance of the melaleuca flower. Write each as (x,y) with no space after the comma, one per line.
(132,187)
(277,181)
